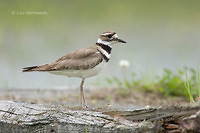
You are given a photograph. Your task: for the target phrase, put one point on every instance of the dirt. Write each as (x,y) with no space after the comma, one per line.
(97,98)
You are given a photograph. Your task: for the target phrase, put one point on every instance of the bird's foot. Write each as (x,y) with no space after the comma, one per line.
(84,106)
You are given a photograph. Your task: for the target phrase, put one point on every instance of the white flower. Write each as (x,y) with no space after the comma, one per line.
(124,63)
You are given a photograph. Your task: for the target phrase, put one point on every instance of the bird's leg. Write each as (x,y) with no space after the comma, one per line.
(82,98)
(81,92)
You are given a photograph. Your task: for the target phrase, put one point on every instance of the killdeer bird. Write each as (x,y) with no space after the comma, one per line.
(82,63)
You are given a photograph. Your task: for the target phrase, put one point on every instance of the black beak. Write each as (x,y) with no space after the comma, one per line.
(120,40)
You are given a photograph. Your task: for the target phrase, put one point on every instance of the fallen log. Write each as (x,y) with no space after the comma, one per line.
(22,117)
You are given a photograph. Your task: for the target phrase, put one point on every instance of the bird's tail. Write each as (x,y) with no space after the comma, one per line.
(29,69)
(45,67)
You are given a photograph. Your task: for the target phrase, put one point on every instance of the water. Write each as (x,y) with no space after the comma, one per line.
(157,39)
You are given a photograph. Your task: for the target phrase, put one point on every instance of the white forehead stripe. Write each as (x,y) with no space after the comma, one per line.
(105,34)
(115,36)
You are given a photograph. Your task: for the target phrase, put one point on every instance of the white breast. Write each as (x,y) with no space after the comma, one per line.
(82,73)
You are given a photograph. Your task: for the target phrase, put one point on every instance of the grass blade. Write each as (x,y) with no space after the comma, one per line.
(187,84)
(198,82)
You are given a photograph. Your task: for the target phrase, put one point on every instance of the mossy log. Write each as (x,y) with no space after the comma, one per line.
(22,117)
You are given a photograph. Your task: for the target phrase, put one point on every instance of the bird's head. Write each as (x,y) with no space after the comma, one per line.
(109,38)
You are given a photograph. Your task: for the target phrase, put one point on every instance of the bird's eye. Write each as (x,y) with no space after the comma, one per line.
(109,36)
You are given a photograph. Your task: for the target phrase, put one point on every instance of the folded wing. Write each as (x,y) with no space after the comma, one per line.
(78,60)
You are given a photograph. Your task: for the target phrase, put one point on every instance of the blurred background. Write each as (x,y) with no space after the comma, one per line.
(160,34)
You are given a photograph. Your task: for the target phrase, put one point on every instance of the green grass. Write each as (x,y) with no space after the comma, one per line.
(184,84)
(187,83)
(198,83)
(170,84)
(86,128)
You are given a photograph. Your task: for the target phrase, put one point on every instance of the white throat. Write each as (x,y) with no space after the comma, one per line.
(104,42)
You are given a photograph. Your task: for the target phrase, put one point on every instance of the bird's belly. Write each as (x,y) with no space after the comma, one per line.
(82,73)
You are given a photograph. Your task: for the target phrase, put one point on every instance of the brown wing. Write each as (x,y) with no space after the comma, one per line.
(81,59)
(81,53)
(85,62)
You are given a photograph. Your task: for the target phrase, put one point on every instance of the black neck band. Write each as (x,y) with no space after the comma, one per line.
(105,47)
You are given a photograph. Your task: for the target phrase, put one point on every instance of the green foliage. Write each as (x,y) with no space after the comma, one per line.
(113,80)
(168,84)
(187,83)
(171,84)
(86,128)
(109,97)
(198,82)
